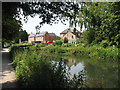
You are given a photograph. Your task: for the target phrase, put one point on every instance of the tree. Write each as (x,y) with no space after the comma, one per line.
(23,35)
(10,26)
(49,12)
(102,21)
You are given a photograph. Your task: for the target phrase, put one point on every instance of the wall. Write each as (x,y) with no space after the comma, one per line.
(61,35)
(70,36)
(43,39)
(47,37)
(39,38)
(30,39)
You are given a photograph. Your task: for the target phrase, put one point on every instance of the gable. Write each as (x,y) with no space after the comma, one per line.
(70,35)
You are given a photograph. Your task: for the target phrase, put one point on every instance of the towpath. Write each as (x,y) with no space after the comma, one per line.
(7,79)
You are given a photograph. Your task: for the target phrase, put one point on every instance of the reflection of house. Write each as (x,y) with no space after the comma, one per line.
(41,37)
(70,35)
(71,62)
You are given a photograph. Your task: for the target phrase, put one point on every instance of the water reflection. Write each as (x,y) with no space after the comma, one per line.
(75,68)
(100,73)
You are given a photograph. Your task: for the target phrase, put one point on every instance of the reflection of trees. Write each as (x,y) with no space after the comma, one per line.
(102,73)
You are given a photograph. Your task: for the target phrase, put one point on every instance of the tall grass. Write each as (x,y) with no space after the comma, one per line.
(36,71)
(89,51)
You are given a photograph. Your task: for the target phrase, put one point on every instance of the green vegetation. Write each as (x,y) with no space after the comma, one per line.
(57,42)
(34,67)
(35,70)
(100,40)
(11,21)
(101,21)
(101,50)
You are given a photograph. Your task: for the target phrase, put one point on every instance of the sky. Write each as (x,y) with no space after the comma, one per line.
(55,28)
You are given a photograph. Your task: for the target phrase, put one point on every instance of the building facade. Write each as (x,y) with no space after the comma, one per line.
(70,35)
(41,37)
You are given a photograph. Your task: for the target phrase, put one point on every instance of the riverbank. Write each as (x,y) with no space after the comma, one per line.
(32,63)
(95,51)
(35,70)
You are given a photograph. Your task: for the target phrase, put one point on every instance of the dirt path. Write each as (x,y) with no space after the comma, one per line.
(8,73)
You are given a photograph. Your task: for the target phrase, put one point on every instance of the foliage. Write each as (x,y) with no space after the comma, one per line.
(40,45)
(57,38)
(88,36)
(10,29)
(23,35)
(53,49)
(58,42)
(101,21)
(10,25)
(104,43)
(34,71)
(102,50)
(68,45)
(49,12)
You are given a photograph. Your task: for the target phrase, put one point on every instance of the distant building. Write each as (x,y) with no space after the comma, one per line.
(70,35)
(41,37)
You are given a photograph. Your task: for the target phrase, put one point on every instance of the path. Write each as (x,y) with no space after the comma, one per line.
(8,73)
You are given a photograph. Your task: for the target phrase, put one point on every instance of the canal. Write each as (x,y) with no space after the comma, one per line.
(99,73)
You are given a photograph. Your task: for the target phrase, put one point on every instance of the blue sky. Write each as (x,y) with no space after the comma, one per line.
(55,28)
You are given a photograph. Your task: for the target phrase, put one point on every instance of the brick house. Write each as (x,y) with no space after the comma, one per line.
(70,35)
(41,37)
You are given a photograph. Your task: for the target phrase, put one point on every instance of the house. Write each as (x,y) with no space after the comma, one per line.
(41,37)
(52,36)
(70,35)
(31,38)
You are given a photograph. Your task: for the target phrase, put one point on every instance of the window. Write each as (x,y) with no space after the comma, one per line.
(72,36)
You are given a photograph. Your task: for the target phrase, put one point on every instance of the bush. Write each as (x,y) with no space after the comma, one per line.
(104,43)
(56,49)
(33,71)
(58,42)
(68,45)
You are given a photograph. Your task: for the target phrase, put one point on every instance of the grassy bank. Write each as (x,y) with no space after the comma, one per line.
(35,70)
(95,51)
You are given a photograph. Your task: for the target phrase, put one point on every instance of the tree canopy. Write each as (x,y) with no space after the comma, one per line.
(23,35)
(101,20)
(49,12)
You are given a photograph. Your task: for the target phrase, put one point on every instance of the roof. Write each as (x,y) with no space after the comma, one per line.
(52,34)
(68,29)
(77,33)
(38,34)
(41,34)
(32,35)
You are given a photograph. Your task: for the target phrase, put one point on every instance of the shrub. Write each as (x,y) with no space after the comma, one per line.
(33,71)
(57,42)
(68,45)
(104,43)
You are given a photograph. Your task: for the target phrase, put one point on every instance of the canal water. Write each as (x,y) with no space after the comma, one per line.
(99,73)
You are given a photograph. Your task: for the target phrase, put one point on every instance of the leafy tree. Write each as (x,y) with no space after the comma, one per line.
(101,20)
(49,12)
(10,26)
(57,38)
(23,35)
